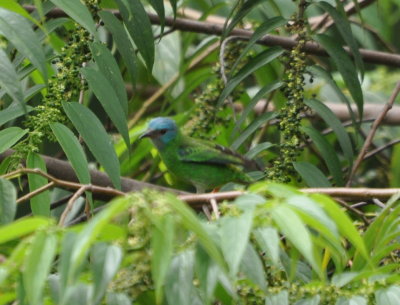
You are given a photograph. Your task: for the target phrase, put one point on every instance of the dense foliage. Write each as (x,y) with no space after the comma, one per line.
(79,81)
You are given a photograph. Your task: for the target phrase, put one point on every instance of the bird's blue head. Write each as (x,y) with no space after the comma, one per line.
(161,131)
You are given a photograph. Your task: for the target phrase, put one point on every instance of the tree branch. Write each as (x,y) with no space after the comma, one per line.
(187,25)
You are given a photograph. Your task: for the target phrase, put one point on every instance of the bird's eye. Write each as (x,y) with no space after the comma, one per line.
(163,131)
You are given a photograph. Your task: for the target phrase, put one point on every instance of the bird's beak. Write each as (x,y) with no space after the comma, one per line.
(149,133)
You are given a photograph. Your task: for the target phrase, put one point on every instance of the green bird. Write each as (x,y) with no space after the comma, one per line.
(204,164)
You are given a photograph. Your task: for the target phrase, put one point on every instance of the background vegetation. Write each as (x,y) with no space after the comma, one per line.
(309,101)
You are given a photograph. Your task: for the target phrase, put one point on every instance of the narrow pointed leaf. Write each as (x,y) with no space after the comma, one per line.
(108,98)
(78,12)
(12,112)
(96,138)
(8,203)
(9,80)
(311,174)
(280,298)
(109,68)
(19,32)
(331,119)
(268,240)
(346,68)
(158,6)
(253,152)
(328,153)
(10,136)
(22,227)
(252,267)
(40,204)
(139,27)
(257,62)
(122,41)
(388,296)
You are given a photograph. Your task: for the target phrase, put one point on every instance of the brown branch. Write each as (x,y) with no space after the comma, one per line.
(187,25)
(372,132)
(35,192)
(71,202)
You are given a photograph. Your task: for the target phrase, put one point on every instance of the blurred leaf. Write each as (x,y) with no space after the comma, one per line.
(295,230)
(79,13)
(328,154)
(190,221)
(158,6)
(345,67)
(40,204)
(265,117)
(9,80)
(139,27)
(73,150)
(331,119)
(13,6)
(354,300)
(105,93)
(179,282)
(9,136)
(22,227)
(268,240)
(250,106)
(262,30)
(280,298)
(122,41)
(37,265)
(96,138)
(234,245)
(8,203)
(162,244)
(255,63)
(342,279)
(19,32)
(315,300)
(253,152)
(311,174)
(252,267)
(388,296)
(342,23)
(118,299)
(105,261)
(109,68)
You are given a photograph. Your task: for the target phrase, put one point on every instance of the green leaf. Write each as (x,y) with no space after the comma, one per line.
(108,98)
(79,13)
(158,6)
(38,261)
(105,261)
(73,150)
(295,230)
(96,138)
(190,221)
(262,30)
(250,106)
(118,299)
(255,63)
(8,201)
(9,80)
(109,68)
(122,41)
(162,245)
(345,67)
(19,32)
(328,154)
(252,128)
(252,267)
(9,136)
(40,204)
(280,298)
(315,300)
(343,25)
(253,152)
(268,240)
(179,282)
(234,245)
(22,227)
(353,300)
(13,6)
(139,27)
(388,296)
(331,119)
(311,174)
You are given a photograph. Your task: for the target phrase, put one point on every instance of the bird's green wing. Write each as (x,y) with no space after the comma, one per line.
(197,151)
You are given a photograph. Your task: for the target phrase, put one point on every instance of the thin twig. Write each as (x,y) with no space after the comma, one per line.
(71,202)
(352,209)
(214,207)
(206,212)
(35,192)
(372,132)
(381,148)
